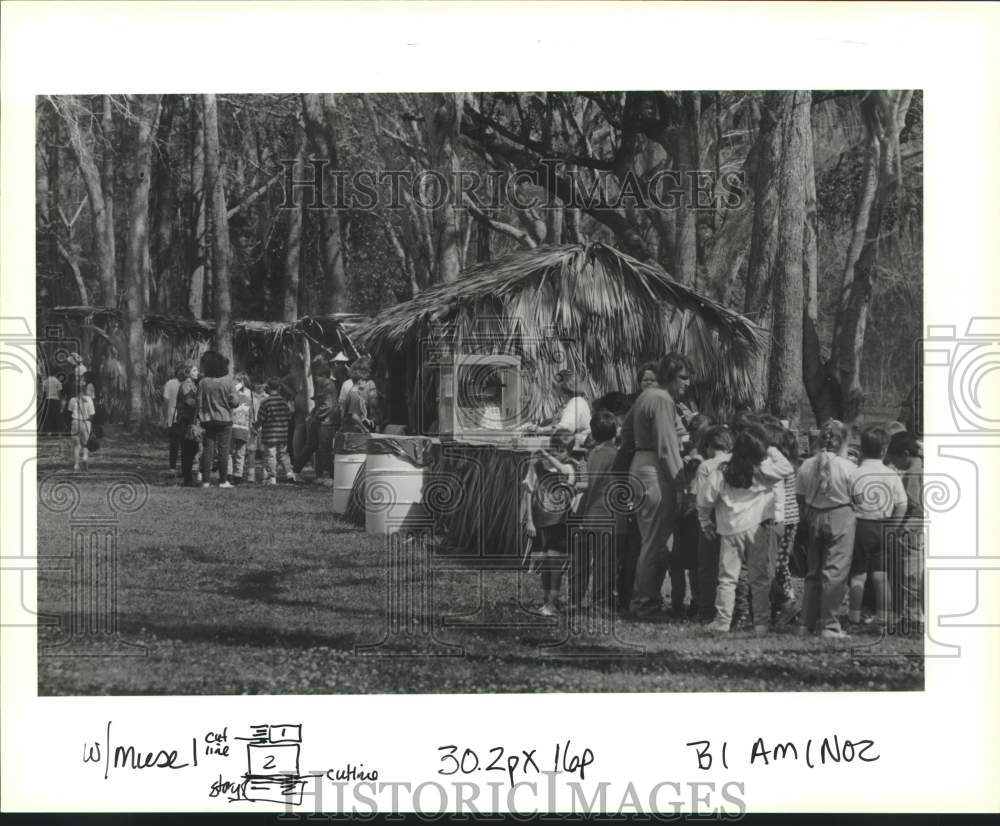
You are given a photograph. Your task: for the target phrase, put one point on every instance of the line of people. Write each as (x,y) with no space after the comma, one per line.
(724,507)
(243,431)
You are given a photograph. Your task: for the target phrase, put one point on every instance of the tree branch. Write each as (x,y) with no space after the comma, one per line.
(253,196)
(538,148)
(510,230)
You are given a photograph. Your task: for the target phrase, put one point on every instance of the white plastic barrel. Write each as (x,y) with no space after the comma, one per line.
(345,471)
(393,493)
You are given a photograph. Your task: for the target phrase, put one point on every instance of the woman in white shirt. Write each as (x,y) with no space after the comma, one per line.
(574,415)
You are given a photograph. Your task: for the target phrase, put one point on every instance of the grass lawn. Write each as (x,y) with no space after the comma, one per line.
(261,590)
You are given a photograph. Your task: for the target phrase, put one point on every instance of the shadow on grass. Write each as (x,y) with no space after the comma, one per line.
(249,636)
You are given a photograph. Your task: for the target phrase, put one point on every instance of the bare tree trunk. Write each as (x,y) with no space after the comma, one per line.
(758,300)
(554,232)
(144,111)
(196,290)
(319,115)
(821,388)
(573,232)
(775,275)
(484,242)
(442,118)
(220,230)
(73,262)
(884,115)
(108,183)
(784,390)
(686,150)
(70,109)
(164,209)
(293,244)
(42,142)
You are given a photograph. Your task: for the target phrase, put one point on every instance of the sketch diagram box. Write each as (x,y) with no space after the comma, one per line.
(273,758)
(284,733)
(275,790)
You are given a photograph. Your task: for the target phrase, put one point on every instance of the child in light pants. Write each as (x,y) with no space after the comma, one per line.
(738,490)
(716,446)
(243,415)
(823,487)
(753,550)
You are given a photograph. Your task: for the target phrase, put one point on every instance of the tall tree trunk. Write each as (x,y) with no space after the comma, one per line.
(196,288)
(68,254)
(442,119)
(765,161)
(320,118)
(293,243)
(775,274)
(144,111)
(884,115)
(71,111)
(164,210)
(821,387)
(784,389)
(220,230)
(108,186)
(685,150)
(484,242)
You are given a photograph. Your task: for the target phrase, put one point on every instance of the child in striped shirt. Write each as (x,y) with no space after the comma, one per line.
(272,420)
(783,605)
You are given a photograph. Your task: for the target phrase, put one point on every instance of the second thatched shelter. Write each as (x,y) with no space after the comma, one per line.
(260,348)
(588,307)
(263,348)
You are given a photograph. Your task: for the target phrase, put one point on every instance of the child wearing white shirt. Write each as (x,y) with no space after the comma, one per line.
(740,492)
(81,410)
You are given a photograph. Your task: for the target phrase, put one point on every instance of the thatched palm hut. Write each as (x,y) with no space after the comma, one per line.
(612,313)
(263,348)
(99,335)
(259,347)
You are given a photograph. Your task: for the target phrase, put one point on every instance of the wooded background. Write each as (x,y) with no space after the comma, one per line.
(172,204)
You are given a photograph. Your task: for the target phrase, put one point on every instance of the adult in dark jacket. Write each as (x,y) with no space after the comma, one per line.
(217,398)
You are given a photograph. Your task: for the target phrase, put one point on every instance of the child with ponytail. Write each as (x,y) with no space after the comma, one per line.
(823,488)
(740,491)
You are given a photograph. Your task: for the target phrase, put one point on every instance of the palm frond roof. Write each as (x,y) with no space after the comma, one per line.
(611,312)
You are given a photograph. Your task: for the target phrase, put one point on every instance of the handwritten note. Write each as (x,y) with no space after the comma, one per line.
(814,752)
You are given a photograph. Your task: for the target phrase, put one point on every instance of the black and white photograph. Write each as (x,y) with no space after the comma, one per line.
(461,410)
(480,392)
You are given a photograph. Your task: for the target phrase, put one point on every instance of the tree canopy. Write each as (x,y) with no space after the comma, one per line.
(801,209)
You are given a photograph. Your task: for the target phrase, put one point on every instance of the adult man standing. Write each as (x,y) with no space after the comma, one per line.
(649,436)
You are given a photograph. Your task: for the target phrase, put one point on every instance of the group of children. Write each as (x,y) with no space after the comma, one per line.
(746,505)
(258,421)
